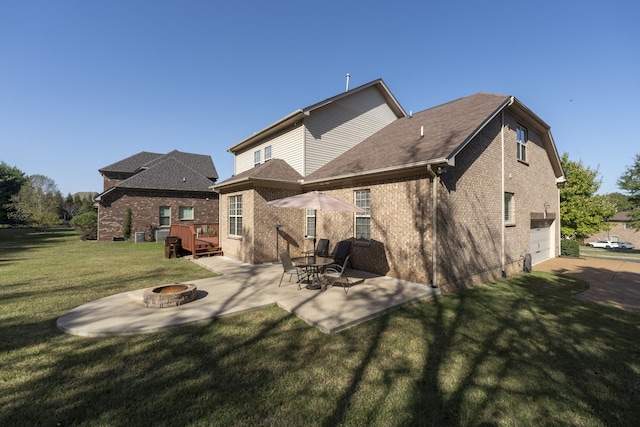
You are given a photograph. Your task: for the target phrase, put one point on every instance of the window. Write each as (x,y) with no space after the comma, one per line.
(186,212)
(267,153)
(363,220)
(235,215)
(256,158)
(311,223)
(521,141)
(508,209)
(165,216)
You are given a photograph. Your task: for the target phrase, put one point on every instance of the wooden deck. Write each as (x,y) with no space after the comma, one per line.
(193,239)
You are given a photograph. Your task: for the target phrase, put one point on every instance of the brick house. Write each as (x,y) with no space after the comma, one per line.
(455,194)
(160,189)
(620,230)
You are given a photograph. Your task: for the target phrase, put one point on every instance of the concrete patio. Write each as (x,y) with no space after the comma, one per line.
(242,287)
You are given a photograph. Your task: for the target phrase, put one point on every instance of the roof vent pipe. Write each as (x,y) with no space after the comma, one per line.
(421,131)
(347,88)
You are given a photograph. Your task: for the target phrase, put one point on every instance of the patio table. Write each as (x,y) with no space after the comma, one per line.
(313,266)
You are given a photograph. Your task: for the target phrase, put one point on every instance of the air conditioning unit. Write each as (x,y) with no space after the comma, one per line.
(161,234)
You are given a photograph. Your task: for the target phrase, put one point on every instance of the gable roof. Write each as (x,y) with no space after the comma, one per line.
(275,172)
(447,129)
(132,163)
(300,114)
(146,160)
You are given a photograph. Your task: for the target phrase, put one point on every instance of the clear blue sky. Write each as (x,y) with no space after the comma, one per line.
(84,84)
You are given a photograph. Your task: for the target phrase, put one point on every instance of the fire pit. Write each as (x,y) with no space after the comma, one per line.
(169,295)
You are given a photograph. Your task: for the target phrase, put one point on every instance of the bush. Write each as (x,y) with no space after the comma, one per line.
(569,248)
(126,232)
(86,224)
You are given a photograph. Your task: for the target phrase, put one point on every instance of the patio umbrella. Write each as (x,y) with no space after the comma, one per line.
(315,200)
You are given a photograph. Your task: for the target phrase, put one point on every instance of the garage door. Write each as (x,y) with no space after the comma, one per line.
(540,247)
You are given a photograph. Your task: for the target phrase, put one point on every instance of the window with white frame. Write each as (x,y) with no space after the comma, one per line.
(185,213)
(509,217)
(256,158)
(521,143)
(310,223)
(363,220)
(267,153)
(235,215)
(164,218)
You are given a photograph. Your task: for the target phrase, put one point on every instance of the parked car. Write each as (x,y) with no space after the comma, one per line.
(626,245)
(603,244)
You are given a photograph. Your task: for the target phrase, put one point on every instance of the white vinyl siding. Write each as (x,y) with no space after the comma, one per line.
(286,146)
(333,129)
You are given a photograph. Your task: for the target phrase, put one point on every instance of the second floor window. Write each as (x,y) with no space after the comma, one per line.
(363,220)
(256,158)
(235,215)
(267,153)
(521,141)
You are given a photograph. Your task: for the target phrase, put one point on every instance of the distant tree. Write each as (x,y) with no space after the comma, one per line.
(582,212)
(77,204)
(630,183)
(38,202)
(11,179)
(622,202)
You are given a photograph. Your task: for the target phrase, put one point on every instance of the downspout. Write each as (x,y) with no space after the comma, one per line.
(503,258)
(434,231)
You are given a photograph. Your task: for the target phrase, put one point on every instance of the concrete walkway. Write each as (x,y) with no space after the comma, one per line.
(242,287)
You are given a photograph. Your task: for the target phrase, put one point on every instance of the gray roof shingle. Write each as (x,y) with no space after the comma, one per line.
(446,128)
(169,174)
(273,170)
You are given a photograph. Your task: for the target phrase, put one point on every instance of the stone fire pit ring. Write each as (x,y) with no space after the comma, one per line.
(169,295)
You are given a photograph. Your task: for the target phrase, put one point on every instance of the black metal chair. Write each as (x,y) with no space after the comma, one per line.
(289,268)
(337,274)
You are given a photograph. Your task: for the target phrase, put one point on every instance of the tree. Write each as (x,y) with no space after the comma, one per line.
(11,179)
(86,224)
(582,212)
(622,202)
(38,202)
(630,183)
(126,232)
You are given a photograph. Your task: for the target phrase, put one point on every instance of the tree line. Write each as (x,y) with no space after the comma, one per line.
(35,201)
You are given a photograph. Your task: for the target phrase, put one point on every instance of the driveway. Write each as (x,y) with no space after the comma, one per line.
(611,281)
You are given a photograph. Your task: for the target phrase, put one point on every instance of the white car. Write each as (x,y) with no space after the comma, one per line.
(603,244)
(626,245)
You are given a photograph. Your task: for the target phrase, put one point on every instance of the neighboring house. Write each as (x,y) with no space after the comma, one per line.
(620,231)
(160,189)
(455,195)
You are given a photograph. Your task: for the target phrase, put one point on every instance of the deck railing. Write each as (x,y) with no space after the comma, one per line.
(197,238)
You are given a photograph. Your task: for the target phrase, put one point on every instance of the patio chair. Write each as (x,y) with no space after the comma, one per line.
(289,268)
(340,253)
(322,249)
(337,274)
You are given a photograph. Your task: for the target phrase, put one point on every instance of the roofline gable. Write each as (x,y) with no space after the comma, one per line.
(300,114)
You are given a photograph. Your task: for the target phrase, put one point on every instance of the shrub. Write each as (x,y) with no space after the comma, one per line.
(86,224)
(126,232)
(569,248)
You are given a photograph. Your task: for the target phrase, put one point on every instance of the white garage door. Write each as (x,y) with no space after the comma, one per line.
(540,247)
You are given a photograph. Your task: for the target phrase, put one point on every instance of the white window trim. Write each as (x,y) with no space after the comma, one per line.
(160,217)
(509,209)
(235,215)
(310,213)
(181,211)
(358,215)
(521,141)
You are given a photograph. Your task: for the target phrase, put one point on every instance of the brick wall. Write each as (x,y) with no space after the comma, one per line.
(145,207)
(469,216)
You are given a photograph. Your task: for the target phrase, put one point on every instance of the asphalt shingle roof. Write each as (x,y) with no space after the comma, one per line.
(169,174)
(132,163)
(446,128)
(273,170)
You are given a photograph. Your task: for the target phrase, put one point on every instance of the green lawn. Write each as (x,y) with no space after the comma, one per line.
(517,352)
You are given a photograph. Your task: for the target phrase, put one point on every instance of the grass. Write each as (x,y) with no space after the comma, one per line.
(517,352)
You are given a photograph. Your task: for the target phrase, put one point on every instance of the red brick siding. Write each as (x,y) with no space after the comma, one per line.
(145,207)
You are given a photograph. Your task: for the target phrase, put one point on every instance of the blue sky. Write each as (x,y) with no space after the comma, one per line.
(84,84)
